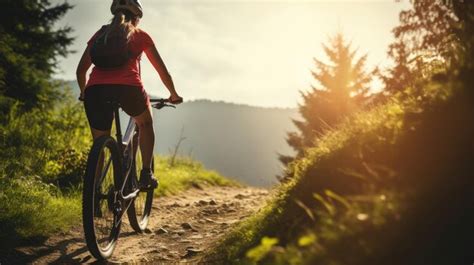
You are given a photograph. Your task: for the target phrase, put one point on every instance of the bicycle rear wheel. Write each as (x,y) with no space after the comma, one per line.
(102,180)
(140,210)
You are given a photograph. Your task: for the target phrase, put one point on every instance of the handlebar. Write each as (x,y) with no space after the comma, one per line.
(159,102)
(162,102)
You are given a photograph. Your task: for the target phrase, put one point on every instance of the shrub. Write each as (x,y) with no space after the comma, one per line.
(47,143)
(43,154)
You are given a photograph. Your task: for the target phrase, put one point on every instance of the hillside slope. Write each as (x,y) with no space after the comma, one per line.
(388,186)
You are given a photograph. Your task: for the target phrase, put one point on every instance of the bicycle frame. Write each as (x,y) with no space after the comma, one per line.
(125,144)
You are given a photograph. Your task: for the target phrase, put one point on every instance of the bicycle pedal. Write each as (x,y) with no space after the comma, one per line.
(148,183)
(149,188)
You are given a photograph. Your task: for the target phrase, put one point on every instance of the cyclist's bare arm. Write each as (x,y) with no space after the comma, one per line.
(82,68)
(159,65)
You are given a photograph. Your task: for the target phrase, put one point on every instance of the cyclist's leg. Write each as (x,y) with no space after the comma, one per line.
(144,122)
(146,141)
(99,115)
(135,102)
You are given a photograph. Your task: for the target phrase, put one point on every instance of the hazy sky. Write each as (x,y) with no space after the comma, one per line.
(251,52)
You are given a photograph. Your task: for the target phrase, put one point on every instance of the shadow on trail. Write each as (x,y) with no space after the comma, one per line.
(15,256)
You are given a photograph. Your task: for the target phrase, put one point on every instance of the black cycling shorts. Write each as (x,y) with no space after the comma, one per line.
(132,99)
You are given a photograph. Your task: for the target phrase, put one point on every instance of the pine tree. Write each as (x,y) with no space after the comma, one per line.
(343,86)
(29,47)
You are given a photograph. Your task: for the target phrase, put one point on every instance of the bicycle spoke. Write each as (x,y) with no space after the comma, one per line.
(104,172)
(103,215)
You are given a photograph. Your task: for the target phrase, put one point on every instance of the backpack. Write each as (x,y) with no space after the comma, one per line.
(110,51)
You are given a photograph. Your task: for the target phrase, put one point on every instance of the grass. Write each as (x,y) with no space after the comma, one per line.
(185,174)
(31,209)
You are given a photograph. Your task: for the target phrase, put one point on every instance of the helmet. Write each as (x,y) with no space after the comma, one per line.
(134,6)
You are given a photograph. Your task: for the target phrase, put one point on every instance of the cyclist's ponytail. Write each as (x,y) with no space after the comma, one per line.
(122,24)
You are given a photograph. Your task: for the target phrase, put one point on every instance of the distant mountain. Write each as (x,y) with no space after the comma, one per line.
(239,141)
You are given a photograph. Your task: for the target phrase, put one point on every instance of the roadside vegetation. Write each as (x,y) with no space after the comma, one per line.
(389,185)
(43,135)
(385,185)
(43,154)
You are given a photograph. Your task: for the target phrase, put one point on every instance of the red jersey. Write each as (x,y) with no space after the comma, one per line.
(129,74)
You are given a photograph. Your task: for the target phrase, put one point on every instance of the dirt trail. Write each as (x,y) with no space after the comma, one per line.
(181,228)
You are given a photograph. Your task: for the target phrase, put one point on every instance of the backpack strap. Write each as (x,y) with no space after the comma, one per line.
(140,67)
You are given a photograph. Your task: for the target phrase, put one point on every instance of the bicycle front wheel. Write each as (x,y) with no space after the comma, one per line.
(100,199)
(140,210)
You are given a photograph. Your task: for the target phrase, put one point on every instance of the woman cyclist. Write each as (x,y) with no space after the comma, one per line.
(123,84)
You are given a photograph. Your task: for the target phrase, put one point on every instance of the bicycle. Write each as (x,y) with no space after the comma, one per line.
(111,187)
